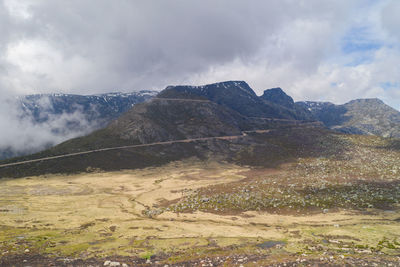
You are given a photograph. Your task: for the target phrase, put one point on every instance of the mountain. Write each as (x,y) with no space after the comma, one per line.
(209,121)
(361,116)
(67,115)
(236,95)
(278,96)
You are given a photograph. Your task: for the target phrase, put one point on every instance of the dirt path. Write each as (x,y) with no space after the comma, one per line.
(229,137)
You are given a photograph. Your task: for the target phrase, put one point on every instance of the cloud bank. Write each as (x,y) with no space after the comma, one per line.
(22,133)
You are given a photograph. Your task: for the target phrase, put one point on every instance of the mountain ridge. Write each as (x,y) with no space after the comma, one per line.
(228,94)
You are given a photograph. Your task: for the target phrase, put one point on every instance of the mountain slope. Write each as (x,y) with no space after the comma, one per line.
(361,116)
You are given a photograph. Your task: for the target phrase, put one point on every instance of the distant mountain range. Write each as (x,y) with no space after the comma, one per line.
(67,114)
(361,116)
(219,109)
(100,109)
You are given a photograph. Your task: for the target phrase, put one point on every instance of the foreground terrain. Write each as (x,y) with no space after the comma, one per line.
(339,207)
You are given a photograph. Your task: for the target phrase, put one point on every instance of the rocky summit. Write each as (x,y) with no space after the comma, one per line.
(236,95)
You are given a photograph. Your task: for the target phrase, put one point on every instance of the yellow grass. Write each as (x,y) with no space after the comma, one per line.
(100,214)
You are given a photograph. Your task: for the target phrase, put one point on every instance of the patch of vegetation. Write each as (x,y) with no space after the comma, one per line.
(355,174)
(260,196)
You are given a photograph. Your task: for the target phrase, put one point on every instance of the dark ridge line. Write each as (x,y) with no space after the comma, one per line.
(181,99)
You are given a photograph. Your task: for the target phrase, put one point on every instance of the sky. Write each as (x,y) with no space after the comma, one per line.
(330,50)
(323,50)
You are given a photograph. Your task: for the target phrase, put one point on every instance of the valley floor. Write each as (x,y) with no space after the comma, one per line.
(313,211)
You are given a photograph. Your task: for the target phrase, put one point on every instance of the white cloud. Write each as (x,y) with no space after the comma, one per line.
(34,63)
(92,47)
(22,134)
(18,8)
(390,20)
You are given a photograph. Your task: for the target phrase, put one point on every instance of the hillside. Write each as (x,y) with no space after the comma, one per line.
(361,116)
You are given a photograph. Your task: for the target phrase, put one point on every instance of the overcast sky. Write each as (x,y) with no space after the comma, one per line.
(331,50)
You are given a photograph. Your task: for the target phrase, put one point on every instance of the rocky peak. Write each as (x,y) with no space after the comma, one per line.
(236,95)
(278,96)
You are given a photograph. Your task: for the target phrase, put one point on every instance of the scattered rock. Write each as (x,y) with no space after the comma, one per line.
(112,263)
(205,199)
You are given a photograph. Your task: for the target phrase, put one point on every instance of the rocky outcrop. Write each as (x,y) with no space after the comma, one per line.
(360,116)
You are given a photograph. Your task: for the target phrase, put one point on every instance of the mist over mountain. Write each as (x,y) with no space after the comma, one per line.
(34,122)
